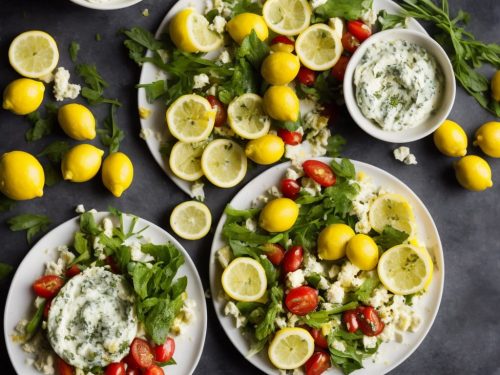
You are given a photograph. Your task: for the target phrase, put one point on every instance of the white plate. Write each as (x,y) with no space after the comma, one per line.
(19,305)
(390,354)
(150,73)
(106,5)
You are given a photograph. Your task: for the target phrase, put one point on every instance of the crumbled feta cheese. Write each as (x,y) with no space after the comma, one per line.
(313,120)
(311,265)
(347,274)
(294,173)
(224,57)
(200,81)
(292,320)
(218,24)
(369,341)
(379,297)
(144,113)
(58,267)
(80,209)
(39,301)
(335,294)
(317,3)
(388,333)
(415,322)
(62,88)
(188,310)
(197,191)
(274,192)
(367,192)
(337,25)
(137,255)
(323,283)
(297,154)
(99,249)
(212,90)
(280,322)
(260,201)
(370,17)
(310,186)
(333,271)
(107,225)
(338,345)
(403,322)
(251,224)
(295,279)
(224,256)
(403,155)
(232,310)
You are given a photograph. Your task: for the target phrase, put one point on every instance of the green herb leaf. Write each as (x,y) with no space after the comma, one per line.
(317,318)
(55,151)
(335,145)
(6,204)
(344,169)
(144,38)
(246,6)
(154,90)
(390,237)
(111,135)
(33,224)
(267,327)
(41,126)
(387,21)
(348,9)
(364,292)
(238,232)
(74,48)
(253,49)
(35,322)
(5,270)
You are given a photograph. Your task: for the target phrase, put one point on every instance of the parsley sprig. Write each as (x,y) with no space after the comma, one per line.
(32,224)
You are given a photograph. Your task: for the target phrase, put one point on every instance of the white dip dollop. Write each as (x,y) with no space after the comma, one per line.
(398,84)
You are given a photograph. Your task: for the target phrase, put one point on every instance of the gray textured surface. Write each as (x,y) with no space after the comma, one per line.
(465,338)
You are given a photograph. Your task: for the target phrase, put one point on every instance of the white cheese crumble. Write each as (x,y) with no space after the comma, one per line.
(232,310)
(137,255)
(295,279)
(379,297)
(224,57)
(369,342)
(200,81)
(338,345)
(310,186)
(317,3)
(251,224)
(294,173)
(347,275)
(62,88)
(298,153)
(404,155)
(80,209)
(107,225)
(218,24)
(197,191)
(337,25)
(335,294)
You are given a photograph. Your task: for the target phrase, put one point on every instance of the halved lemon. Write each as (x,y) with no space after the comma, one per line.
(392,210)
(185,161)
(319,47)
(291,348)
(244,279)
(405,269)
(224,163)
(191,220)
(190,118)
(287,17)
(33,54)
(247,117)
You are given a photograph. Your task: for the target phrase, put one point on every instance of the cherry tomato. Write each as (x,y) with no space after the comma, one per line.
(359,30)
(302,300)
(282,39)
(72,271)
(306,76)
(154,370)
(319,338)
(369,321)
(338,70)
(318,363)
(141,354)
(290,138)
(350,42)
(129,361)
(319,172)
(117,368)
(164,352)
(290,188)
(293,259)
(133,371)
(48,286)
(350,319)
(110,261)
(221,115)
(274,252)
(46,309)
(63,368)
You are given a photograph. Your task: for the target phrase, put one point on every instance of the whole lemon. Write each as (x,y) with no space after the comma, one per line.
(240,26)
(281,103)
(21,176)
(451,139)
(362,251)
(279,215)
(473,173)
(280,68)
(495,86)
(488,138)
(81,163)
(117,173)
(23,96)
(332,241)
(77,121)
(265,150)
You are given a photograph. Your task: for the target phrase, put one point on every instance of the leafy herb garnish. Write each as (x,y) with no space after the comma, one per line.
(6,204)
(94,90)
(5,270)
(390,237)
(54,153)
(42,126)
(347,9)
(111,135)
(74,48)
(32,224)
(335,145)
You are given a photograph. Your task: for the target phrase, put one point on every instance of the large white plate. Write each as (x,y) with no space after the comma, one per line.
(19,305)
(390,354)
(150,73)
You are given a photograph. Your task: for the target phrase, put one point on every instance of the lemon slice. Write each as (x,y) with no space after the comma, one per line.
(190,118)
(185,161)
(287,17)
(33,54)
(291,348)
(405,269)
(224,163)
(393,210)
(319,47)
(244,279)
(189,31)
(247,117)
(191,220)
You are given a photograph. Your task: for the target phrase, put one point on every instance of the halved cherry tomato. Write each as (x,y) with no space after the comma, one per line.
(129,361)
(350,319)
(141,353)
(290,138)
(319,338)
(48,286)
(154,370)
(133,371)
(164,352)
(369,321)
(338,70)
(350,42)
(282,39)
(306,76)
(318,363)
(274,252)
(359,30)
(290,188)
(221,114)
(46,309)
(319,172)
(63,368)
(302,300)
(117,368)
(73,271)
(293,259)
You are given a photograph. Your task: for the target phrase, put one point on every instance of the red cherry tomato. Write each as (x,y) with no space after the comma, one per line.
(72,271)
(110,261)
(338,70)
(221,115)
(274,252)
(133,371)
(117,368)
(319,172)
(306,76)
(318,363)
(290,188)
(165,352)
(350,42)
(46,309)
(154,370)
(359,30)
(63,368)
(141,354)
(48,286)
(369,321)
(302,300)
(282,39)
(293,259)
(350,319)
(129,361)
(290,138)
(319,338)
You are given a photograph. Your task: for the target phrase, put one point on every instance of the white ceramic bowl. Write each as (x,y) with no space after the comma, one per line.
(433,122)
(106,4)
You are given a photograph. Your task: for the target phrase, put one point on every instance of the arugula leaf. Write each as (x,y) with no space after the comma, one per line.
(35,322)
(154,90)
(390,237)
(74,48)
(235,214)
(344,169)
(348,9)
(88,224)
(42,126)
(32,224)
(178,287)
(246,6)
(341,195)
(387,21)
(159,319)
(317,318)
(266,327)
(96,85)
(144,38)
(335,145)
(234,231)
(243,80)
(253,49)
(6,204)
(5,270)
(111,135)
(364,292)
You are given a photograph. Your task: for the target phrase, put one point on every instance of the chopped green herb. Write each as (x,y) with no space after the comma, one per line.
(5,270)
(348,9)
(74,48)
(335,145)
(42,126)
(33,224)
(96,85)
(390,237)
(55,151)
(246,6)
(98,37)
(6,204)
(111,135)
(387,21)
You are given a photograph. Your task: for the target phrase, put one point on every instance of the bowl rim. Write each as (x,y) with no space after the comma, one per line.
(448,95)
(112,5)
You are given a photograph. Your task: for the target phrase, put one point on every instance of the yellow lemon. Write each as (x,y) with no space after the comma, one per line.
(451,139)
(488,138)
(280,68)
(265,150)
(495,86)
(362,251)
(21,176)
(23,96)
(81,163)
(240,26)
(332,241)
(473,173)
(279,215)
(290,348)
(77,121)
(117,173)
(281,103)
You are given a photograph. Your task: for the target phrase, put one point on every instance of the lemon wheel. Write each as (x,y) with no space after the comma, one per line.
(185,161)
(191,220)
(291,348)
(319,47)
(224,163)
(244,279)
(247,117)
(287,17)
